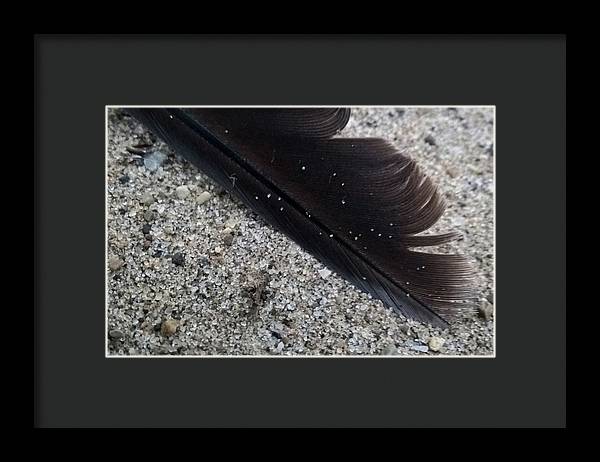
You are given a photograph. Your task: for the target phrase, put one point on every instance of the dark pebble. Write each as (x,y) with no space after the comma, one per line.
(146,228)
(276,334)
(136,151)
(124,179)
(142,145)
(430,140)
(228,239)
(146,244)
(178,259)
(157,254)
(115,334)
(149,237)
(203,261)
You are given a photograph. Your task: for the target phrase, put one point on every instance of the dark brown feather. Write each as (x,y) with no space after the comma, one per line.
(356,204)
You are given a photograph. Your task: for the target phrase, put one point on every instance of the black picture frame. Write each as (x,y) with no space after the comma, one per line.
(77,76)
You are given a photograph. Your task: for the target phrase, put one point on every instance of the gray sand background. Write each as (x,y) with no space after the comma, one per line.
(191,271)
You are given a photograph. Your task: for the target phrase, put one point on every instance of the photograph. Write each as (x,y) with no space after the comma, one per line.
(300,231)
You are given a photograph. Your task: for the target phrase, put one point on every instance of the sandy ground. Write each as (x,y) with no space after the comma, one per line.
(193,274)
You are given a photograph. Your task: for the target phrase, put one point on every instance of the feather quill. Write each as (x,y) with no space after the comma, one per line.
(356,204)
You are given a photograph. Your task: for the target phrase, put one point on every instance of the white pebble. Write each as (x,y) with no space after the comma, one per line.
(436,343)
(324,273)
(203,197)
(183,192)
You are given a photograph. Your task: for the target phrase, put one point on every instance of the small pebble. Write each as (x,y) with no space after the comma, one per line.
(390,349)
(405,329)
(430,140)
(147,198)
(146,228)
(231,223)
(203,197)
(324,273)
(124,179)
(178,259)
(227,236)
(169,327)
(486,310)
(154,160)
(436,343)
(115,334)
(452,172)
(115,263)
(421,348)
(183,192)
(148,215)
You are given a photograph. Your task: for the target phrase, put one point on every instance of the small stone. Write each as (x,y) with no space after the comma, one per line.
(132,351)
(149,215)
(168,327)
(116,334)
(430,140)
(459,221)
(405,329)
(147,198)
(178,259)
(452,172)
(146,244)
(390,349)
(227,236)
(203,197)
(217,250)
(324,273)
(154,160)
(231,223)
(115,263)
(486,310)
(146,228)
(421,348)
(436,343)
(280,347)
(148,237)
(124,179)
(183,192)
